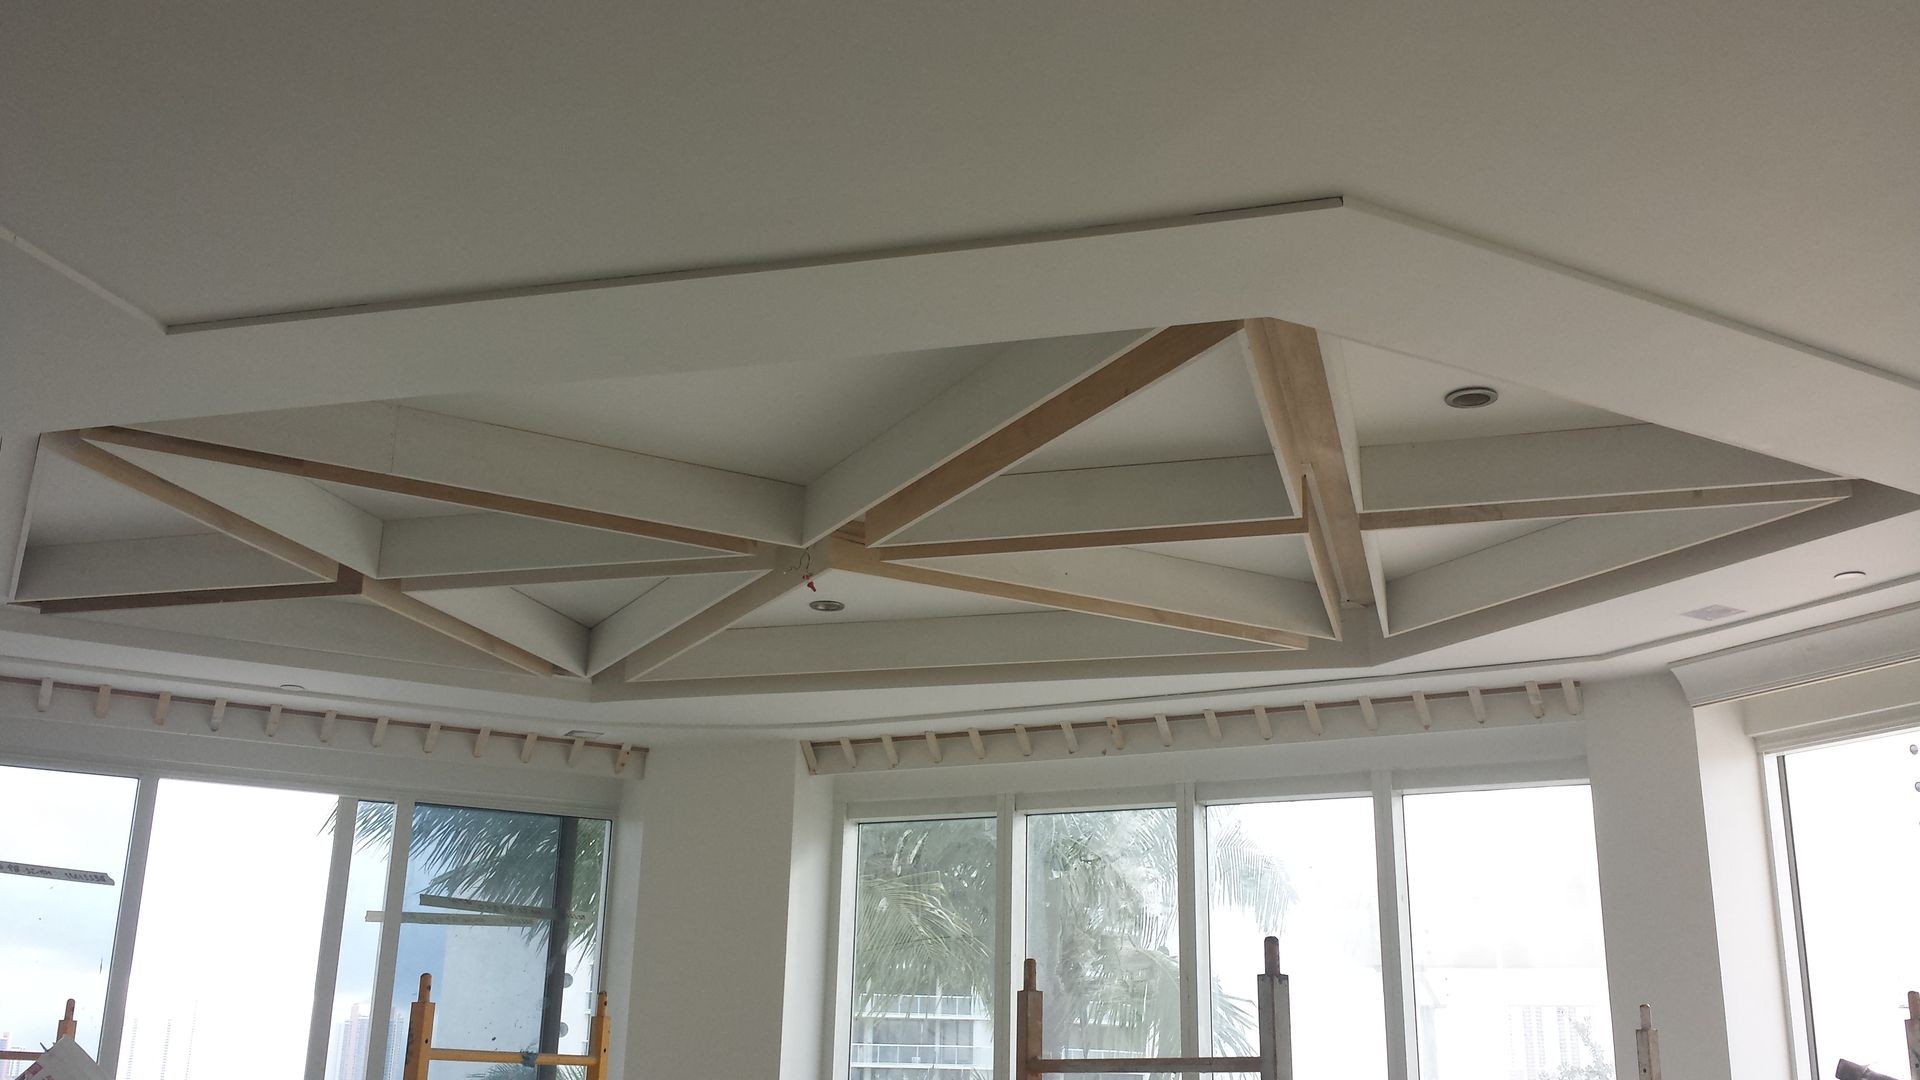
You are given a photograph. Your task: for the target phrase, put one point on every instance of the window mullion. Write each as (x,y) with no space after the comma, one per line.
(1009,928)
(113,1014)
(381,1015)
(326,968)
(1396,951)
(1190,855)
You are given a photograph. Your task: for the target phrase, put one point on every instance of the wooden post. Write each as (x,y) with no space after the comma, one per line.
(1276,1018)
(1913,1032)
(1027,1018)
(597,1039)
(419,1032)
(67,1028)
(1647,1041)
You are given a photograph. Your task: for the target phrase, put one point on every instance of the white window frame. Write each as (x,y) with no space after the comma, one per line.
(1386,788)
(1791,927)
(139,841)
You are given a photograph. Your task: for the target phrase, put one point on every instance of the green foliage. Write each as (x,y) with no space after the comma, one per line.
(1104,887)
(498,857)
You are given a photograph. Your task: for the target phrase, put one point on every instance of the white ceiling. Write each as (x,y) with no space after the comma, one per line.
(230,163)
(1396,398)
(787,422)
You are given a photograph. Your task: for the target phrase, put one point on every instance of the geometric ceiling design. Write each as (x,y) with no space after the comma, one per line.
(1252,489)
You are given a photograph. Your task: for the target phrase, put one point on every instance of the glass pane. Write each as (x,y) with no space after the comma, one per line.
(480,901)
(229,933)
(1856,832)
(1303,871)
(61,931)
(1509,967)
(1103,923)
(923,951)
(353,987)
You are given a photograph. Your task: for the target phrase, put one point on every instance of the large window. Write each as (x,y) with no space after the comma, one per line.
(229,936)
(1854,813)
(923,950)
(1304,872)
(282,933)
(1145,924)
(1510,976)
(1103,921)
(65,836)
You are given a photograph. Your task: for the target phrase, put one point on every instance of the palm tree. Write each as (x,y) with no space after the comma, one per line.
(1102,921)
(500,858)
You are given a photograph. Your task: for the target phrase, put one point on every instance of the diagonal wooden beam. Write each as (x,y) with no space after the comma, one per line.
(855,558)
(792,572)
(554,575)
(71,446)
(1124,375)
(382,593)
(1799,491)
(423,489)
(347,583)
(1296,400)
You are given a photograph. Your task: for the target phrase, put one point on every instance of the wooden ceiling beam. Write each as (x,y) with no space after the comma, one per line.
(348,583)
(1131,371)
(1157,534)
(1296,400)
(790,574)
(555,575)
(1799,491)
(852,557)
(181,446)
(382,593)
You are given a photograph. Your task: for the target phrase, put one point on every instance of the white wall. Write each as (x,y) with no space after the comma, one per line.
(723,983)
(1656,889)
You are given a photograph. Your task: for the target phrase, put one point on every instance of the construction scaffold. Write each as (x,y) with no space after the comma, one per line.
(1274,1061)
(421,1052)
(65,1029)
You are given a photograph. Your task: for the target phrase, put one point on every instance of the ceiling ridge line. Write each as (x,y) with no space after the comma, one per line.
(764,266)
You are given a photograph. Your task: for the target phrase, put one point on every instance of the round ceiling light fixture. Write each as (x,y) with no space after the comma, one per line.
(827,605)
(1849,575)
(1471,397)
(291,686)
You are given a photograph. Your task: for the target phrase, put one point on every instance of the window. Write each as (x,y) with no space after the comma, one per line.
(1103,922)
(1302,871)
(61,930)
(356,973)
(229,932)
(923,950)
(235,970)
(1854,814)
(1146,925)
(1509,967)
(503,910)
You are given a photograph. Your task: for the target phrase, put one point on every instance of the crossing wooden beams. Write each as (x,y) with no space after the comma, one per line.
(461,495)
(1111,383)
(214,516)
(1296,401)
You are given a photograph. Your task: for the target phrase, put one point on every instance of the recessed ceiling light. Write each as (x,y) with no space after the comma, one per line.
(1849,575)
(291,686)
(583,733)
(827,605)
(1471,397)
